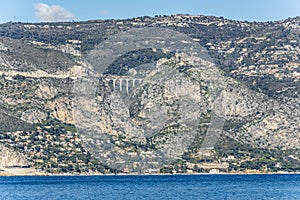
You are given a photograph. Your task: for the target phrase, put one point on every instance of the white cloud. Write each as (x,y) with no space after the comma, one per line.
(52,13)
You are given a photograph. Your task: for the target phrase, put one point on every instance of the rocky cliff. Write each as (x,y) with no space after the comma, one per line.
(166,94)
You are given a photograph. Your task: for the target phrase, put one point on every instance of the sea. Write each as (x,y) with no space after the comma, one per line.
(152,187)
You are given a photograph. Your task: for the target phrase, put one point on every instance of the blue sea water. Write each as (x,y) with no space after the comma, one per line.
(152,187)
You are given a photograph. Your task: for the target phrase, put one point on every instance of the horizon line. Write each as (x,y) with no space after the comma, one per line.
(137,17)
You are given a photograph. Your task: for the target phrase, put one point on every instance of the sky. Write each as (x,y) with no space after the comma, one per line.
(81,10)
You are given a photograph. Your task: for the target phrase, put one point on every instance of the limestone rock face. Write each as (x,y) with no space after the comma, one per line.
(61,108)
(169,109)
(10,158)
(33,116)
(46,92)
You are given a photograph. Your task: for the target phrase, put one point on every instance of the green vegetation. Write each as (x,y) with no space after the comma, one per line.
(54,147)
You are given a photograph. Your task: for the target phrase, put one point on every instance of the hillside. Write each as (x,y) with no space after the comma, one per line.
(170,94)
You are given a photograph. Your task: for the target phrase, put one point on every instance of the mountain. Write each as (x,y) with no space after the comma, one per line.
(167,94)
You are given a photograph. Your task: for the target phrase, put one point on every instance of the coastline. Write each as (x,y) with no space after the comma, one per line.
(5,174)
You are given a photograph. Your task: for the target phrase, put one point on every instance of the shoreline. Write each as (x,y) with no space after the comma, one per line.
(147,174)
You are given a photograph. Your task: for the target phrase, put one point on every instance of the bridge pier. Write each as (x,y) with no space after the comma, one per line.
(127,86)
